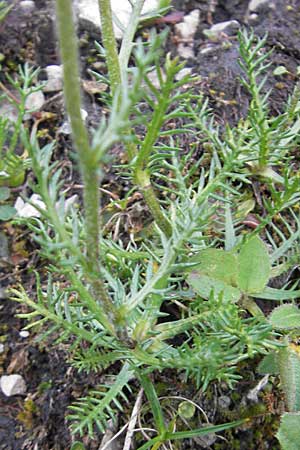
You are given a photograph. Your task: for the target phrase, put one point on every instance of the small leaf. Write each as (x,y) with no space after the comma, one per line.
(280,70)
(285,317)
(204,285)
(289,431)
(4,193)
(186,410)
(269,364)
(254,266)
(7,212)
(217,264)
(77,446)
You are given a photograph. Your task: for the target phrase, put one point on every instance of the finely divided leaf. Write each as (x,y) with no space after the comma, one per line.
(254,266)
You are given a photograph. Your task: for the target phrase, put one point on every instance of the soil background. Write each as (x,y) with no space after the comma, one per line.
(37,419)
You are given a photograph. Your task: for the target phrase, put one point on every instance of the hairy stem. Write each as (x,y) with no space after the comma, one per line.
(127,41)
(110,45)
(89,170)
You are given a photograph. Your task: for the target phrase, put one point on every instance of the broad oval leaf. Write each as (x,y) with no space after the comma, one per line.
(4,193)
(289,431)
(204,285)
(285,317)
(7,212)
(186,409)
(217,264)
(254,267)
(269,364)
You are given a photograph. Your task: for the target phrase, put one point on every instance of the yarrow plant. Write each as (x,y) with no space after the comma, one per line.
(114,296)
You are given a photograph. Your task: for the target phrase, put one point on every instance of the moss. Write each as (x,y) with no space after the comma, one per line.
(28,414)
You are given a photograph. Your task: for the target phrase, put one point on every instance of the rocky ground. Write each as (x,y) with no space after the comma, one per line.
(33,405)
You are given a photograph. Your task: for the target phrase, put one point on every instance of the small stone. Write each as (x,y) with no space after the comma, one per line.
(224,402)
(4,246)
(207,440)
(84,114)
(257,9)
(185,31)
(259,6)
(8,110)
(2,348)
(66,129)
(54,78)
(3,293)
(188,27)
(35,101)
(12,385)
(24,334)
(27,6)
(182,73)
(216,31)
(89,16)
(209,49)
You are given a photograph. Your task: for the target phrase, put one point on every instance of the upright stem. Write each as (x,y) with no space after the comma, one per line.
(110,45)
(89,170)
(127,41)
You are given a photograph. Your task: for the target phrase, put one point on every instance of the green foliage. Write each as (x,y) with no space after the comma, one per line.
(245,270)
(285,317)
(7,212)
(113,296)
(4,10)
(254,266)
(289,431)
(13,166)
(100,405)
(289,369)
(77,446)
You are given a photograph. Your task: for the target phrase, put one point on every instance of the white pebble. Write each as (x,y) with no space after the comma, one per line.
(12,385)
(27,6)
(35,101)
(54,78)
(24,334)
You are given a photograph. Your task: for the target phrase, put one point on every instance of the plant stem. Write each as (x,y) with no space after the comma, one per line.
(110,45)
(127,40)
(150,198)
(89,170)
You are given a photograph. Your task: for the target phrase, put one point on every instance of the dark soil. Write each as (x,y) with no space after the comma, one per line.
(37,419)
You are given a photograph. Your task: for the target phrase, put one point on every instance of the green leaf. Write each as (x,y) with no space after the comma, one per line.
(289,369)
(280,70)
(217,264)
(7,212)
(204,285)
(285,317)
(289,431)
(186,410)
(77,446)
(278,294)
(269,364)
(4,193)
(254,266)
